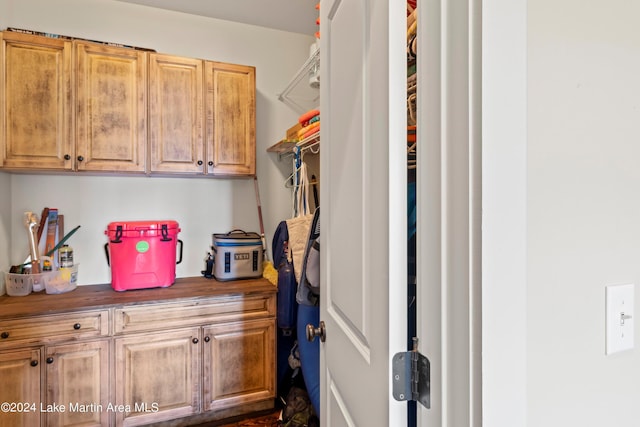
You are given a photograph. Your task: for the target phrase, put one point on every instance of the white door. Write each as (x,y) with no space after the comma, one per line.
(363,193)
(363,220)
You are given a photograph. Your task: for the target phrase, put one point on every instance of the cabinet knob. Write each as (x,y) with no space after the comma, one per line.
(210,163)
(34,363)
(76,326)
(200,162)
(195,340)
(80,158)
(207,339)
(4,335)
(67,157)
(49,360)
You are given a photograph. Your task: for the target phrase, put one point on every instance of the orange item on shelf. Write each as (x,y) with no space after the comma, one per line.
(308,115)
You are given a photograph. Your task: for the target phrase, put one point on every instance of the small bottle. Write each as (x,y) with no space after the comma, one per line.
(65,255)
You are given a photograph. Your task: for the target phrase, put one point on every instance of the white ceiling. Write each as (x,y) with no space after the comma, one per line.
(297,16)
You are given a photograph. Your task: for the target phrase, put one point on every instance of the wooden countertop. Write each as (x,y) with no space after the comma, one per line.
(103,296)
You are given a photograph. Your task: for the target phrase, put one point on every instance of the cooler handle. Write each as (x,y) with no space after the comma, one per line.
(237,230)
(180,260)
(106,252)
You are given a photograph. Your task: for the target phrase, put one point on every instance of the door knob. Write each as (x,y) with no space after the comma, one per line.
(313,332)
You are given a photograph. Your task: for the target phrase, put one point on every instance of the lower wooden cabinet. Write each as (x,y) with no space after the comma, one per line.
(158,376)
(20,392)
(141,358)
(77,376)
(236,346)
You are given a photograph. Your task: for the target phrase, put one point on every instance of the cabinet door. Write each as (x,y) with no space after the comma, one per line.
(157,376)
(78,378)
(21,386)
(111,100)
(239,363)
(176,115)
(231,119)
(35,107)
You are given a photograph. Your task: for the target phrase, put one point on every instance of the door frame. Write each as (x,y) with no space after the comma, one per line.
(449,215)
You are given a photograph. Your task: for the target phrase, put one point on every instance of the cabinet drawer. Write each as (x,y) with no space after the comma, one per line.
(164,316)
(63,327)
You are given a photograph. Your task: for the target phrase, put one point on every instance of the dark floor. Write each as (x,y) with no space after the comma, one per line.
(263,419)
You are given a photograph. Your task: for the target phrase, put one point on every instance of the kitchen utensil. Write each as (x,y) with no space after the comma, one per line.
(31,223)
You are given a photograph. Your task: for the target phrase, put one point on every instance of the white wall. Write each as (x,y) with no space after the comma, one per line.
(583,207)
(201,206)
(5,194)
(5,226)
(580,180)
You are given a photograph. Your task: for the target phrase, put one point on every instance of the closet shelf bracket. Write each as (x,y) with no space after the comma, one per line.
(298,94)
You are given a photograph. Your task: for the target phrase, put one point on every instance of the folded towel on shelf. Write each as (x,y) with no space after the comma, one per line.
(307,128)
(308,115)
(311,132)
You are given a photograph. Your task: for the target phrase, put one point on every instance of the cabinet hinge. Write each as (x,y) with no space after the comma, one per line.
(412,376)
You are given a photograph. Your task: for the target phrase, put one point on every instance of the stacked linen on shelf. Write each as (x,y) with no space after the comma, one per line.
(310,122)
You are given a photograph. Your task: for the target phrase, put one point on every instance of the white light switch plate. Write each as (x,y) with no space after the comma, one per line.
(620,317)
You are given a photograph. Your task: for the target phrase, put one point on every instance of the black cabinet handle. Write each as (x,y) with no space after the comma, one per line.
(80,158)
(67,157)
(49,360)
(199,162)
(207,339)
(195,340)
(34,363)
(4,335)
(76,326)
(210,163)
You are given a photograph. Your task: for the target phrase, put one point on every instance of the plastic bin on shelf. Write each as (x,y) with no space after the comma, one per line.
(65,280)
(52,282)
(19,285)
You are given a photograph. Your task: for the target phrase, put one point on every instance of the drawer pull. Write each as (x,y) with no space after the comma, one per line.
(76,326)
(207,339)
(4,335)
(49,360)
(34,363)
(195,340)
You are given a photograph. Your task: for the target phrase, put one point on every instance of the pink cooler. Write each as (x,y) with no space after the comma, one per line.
(142,254)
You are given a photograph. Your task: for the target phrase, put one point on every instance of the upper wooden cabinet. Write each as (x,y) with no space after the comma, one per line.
(231,120)
(35,102)
(178,109)
(176,114)
(84,106)
(111,98)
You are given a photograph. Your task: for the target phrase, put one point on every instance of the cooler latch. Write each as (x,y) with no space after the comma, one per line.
(165,234)
(412,376)
(118,235)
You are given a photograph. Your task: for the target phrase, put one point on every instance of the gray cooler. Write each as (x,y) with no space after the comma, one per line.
(237,255)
